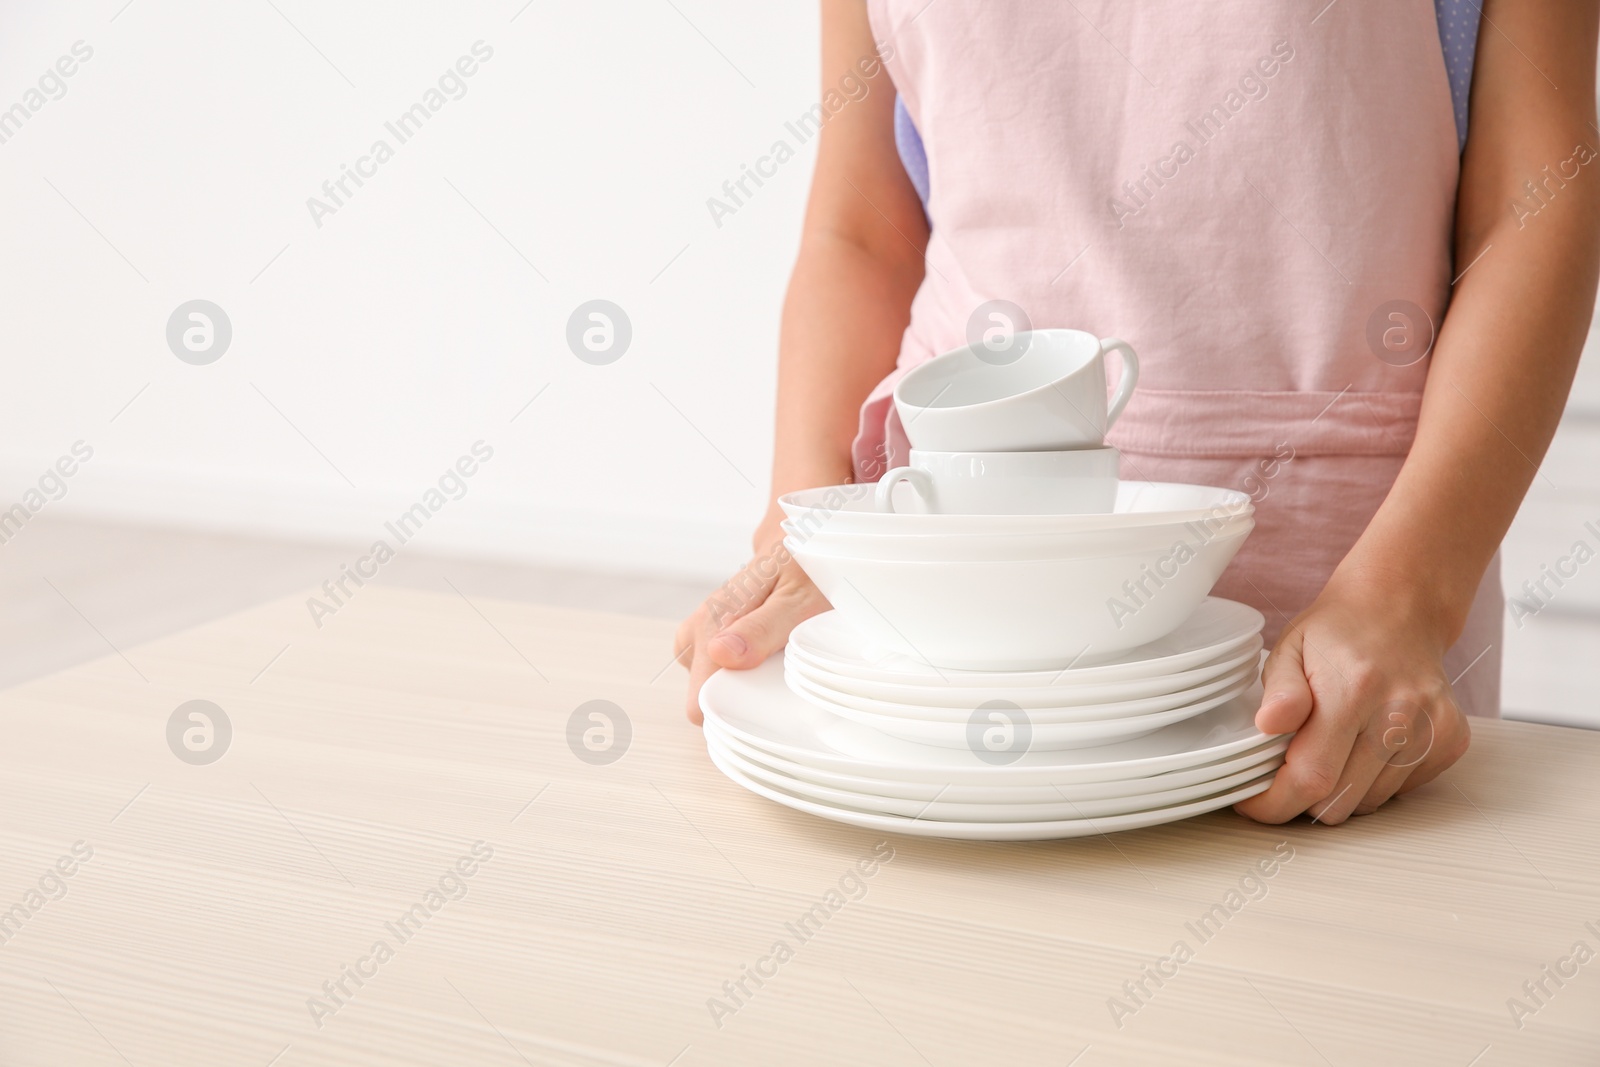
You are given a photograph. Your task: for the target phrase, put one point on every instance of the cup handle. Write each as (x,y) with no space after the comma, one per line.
(920,482)
(1129,379)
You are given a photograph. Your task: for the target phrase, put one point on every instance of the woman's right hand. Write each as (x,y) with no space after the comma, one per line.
(749,617)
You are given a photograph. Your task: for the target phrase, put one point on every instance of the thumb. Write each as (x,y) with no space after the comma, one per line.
(1286,703)
(750,639)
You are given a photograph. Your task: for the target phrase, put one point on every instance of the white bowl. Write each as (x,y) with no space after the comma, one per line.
(1064,544)
(853,509)
(1019,614)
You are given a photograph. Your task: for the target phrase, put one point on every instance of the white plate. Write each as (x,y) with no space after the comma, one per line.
(1002,794)
(944,810)
(1036,696)
(1044,736)
(1216,627)
(758,708)
(999,831)
(1112,709)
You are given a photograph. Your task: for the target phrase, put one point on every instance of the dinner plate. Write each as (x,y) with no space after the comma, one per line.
(1002,794)
(944,810)
(1216,627)
(1071,713)
(992,831)
(757,707)
(1043,736)
(1039,696)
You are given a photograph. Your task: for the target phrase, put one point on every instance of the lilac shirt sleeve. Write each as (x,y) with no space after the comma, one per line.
(909,144)
(1458,33)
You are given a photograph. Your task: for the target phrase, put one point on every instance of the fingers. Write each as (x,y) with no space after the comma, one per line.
(683,641)
(1286,694)
(1389,781)
(700,669)
(740,620)
(741,594)
(748,640)
(683,651)
(1396,737)
(1312,769)
(1405,744)
(1406,730)
(1369,771)
(745,621)
(689,648)
(1450,743)
(746,591)
(1424,745)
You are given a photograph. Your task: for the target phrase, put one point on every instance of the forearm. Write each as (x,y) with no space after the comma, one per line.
(1509,345)
(842,323)
(860,262)
(1502,367)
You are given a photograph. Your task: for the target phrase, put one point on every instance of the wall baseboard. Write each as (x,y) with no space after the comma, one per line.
(477,525)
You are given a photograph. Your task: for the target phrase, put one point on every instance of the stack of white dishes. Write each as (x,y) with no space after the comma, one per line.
(782,747)
(1022,645)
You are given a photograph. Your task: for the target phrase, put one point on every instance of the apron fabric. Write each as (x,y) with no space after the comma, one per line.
(1236,191)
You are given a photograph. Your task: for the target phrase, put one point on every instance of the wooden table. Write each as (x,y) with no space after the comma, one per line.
(591,913)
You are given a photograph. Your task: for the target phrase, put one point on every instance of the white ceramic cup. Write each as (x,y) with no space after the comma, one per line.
(1078,481)
(1049,393)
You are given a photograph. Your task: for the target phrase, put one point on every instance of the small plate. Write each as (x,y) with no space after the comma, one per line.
(1071,694)
(1072,713)
(1216,627)
(1045,736)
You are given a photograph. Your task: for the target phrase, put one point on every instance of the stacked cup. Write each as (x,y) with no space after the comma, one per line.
(1010,543)
(1014,430)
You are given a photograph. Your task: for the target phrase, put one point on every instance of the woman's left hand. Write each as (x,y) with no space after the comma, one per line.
(1360,674)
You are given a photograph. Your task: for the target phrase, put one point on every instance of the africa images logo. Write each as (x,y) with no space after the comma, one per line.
(451,85)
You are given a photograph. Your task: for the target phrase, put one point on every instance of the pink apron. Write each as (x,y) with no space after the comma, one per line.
(1236,191)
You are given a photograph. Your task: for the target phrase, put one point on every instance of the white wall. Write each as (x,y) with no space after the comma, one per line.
(1550,653)
(405,327)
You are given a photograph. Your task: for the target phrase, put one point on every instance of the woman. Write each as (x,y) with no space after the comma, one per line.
(1277,207)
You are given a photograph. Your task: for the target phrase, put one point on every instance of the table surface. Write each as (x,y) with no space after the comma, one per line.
(411,756)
